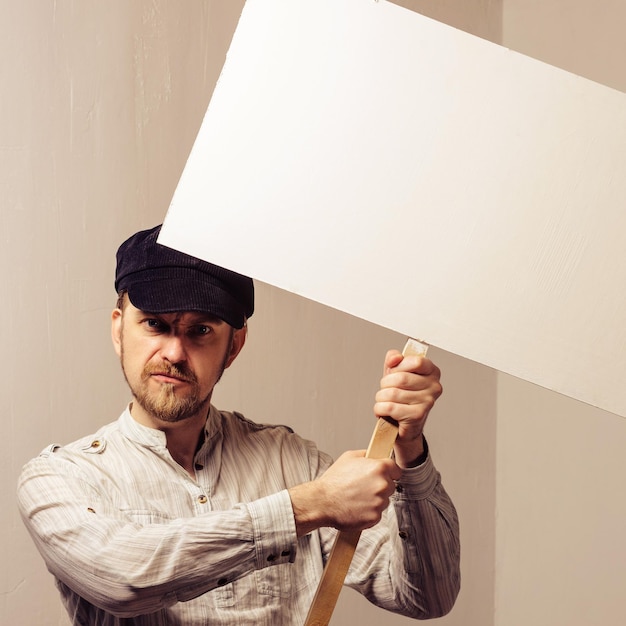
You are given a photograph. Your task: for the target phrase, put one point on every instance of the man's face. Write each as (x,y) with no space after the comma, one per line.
(172,361)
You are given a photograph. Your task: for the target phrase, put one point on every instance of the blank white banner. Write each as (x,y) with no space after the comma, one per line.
(384,164)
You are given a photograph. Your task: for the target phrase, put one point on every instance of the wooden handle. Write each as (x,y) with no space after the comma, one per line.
(380,447)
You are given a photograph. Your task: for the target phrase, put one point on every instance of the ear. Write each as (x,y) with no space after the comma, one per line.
(116,330)
(239,339)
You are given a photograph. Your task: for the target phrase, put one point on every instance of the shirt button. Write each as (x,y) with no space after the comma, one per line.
(198,467)
(285,553)
(95,443)
(202,499)
(271,557)
(403,534)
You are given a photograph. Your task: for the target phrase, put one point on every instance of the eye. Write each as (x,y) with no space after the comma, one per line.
(155,325)
(200,330)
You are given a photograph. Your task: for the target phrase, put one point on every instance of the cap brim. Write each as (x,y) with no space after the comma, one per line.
(170,295)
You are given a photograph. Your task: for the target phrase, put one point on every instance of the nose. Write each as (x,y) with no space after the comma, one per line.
(173,348)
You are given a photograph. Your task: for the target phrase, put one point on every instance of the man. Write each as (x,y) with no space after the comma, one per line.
(179,513)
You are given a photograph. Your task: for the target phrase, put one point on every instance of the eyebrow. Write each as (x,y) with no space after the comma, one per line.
(199,316)
(196,316)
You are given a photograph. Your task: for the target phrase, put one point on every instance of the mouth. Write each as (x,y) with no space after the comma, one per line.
(168,374)
(163,377)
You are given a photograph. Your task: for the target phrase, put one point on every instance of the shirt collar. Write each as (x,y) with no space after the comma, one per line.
(153,437)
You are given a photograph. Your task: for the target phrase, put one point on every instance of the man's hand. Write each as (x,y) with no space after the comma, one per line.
(408,390)
(354,491)
(351,495)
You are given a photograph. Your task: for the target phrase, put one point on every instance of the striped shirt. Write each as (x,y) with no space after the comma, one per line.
(131,538)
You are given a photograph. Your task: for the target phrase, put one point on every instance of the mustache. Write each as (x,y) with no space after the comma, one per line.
(180,371)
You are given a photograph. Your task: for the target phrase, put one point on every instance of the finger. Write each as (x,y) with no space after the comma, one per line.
(406,405)
(395,471)
(417,364)
(406,381)
(402,413)
(392,359)
(406,391)
(398,386)
(353,454)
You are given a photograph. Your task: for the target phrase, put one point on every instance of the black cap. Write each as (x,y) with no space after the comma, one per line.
(159,279)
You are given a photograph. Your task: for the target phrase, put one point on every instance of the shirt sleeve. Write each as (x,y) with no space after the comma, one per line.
(409,563)
(128,568)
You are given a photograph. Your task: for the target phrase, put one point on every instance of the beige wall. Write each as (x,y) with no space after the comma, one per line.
(580,36)
(100,104)
(561,550)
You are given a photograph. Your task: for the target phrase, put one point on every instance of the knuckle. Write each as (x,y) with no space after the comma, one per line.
(436,388)
(405,379)
(383,408)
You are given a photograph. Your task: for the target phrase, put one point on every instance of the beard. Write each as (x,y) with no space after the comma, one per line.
(166,404)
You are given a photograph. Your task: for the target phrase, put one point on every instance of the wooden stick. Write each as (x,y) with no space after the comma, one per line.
(380,447)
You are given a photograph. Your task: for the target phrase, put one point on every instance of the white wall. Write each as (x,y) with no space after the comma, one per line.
(561,550)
